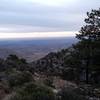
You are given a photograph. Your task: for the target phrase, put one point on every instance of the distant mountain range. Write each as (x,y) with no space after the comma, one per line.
(33,49)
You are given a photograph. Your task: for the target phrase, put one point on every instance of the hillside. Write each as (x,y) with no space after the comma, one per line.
(50,73)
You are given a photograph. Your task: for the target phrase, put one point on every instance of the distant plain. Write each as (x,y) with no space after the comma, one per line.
(33,49)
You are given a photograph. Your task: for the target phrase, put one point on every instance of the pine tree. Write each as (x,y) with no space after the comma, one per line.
(89,45)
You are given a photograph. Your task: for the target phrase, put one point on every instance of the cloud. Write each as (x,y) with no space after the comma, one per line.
(26,29)
(44,15)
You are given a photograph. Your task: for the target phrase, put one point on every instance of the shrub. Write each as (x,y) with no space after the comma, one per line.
(70,94)
(33,91)
(19,78)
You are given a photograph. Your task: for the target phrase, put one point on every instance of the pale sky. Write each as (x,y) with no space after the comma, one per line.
(47,18)
(36,35)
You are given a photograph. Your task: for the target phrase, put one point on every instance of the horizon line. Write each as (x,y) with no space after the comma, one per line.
(37,35)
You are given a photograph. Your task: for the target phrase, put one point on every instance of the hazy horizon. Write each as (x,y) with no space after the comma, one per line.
(37,35)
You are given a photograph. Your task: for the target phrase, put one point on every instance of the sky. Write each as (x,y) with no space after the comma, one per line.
(43,17)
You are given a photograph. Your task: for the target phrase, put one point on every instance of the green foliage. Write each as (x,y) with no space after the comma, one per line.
(13,61)
(12,57)
(18,78)
(87,50)
(33,91)
(70,94)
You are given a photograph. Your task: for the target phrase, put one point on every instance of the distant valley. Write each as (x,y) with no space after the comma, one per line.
(33,49)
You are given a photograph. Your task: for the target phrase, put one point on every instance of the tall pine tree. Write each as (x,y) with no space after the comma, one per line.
(88,48)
